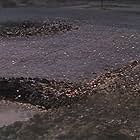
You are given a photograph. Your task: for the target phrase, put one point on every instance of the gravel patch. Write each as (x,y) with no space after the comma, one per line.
(34,28)
(110,110)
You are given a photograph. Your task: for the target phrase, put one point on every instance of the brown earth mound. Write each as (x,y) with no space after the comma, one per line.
(107,108)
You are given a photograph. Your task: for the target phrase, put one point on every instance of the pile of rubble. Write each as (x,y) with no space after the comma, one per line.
(106,108)
(34,28)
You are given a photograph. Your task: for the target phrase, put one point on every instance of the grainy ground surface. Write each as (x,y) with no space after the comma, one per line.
(104,40)
(110,110)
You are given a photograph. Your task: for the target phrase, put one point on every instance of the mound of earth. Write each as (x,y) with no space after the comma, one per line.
(40,92)
(106,108)
(34,28)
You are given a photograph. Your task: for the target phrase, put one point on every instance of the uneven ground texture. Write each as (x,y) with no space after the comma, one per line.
(77,105)
(110,111)
(104,39)
(33,28)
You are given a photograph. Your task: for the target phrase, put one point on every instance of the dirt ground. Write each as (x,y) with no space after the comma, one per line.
(85,85)
(110,110)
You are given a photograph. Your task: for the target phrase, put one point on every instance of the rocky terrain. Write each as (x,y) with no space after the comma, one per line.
(33,28)
(106,108)
(85,89)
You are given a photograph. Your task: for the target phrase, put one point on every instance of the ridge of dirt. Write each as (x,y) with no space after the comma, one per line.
(109,111)
(34,28)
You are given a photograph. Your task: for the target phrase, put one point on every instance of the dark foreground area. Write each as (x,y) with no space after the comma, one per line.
(106,108)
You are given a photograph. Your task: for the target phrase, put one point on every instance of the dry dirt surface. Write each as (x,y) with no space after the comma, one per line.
(109,109)
(97,44)
(76,104)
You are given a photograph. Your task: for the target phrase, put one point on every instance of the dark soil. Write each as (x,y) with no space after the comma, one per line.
(34,28)
(41,92)
(106,108)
